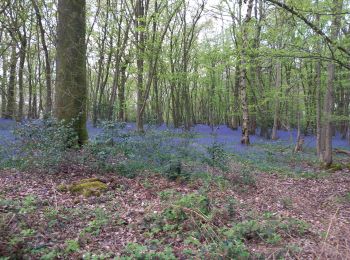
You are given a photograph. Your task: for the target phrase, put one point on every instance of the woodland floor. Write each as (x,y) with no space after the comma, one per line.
(269,203)
(52,218)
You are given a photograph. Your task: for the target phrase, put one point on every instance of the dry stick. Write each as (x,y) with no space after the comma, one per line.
(13,216)
(202,216)
(328,230)
(342,151)
(55,196)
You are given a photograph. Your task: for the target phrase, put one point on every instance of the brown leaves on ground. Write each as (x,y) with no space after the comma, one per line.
(322,203)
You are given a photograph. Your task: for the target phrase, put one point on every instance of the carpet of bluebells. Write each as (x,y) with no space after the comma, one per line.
(170,194)
(161,144)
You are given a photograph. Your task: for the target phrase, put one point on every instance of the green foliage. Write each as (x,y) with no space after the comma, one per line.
(100,219)
(217,156)
(28,204)
(268,230)
(137,251)
(129,168)
(44,146)
(72,246)
(51,255)
(92,256)
(192,203)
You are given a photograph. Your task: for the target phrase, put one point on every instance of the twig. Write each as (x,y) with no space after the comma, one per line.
(328,231)
(13,216)
(342,151)
(55,196)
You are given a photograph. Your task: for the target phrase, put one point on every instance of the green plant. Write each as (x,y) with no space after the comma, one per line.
(101,219)
(287,202)
(137,251)
(44,146)
(217,156)
(28,204)
(72,246)
(92,256)
(166,194)
(231,208)
(189,204)
(50,255)
(129,168)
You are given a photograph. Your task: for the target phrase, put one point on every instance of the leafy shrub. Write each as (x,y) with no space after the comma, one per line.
(44,145)
(217,156)
(129,168)
(137,251)
(188,204)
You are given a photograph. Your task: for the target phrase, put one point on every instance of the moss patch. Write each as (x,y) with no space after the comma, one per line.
(87,187)
(335,167)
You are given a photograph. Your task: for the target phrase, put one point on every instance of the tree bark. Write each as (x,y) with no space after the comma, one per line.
(71,94)
(48,106)
(243,77)
(11,100)
(22,57)
(140,45)
(3,86)
(328,101)
(278,82)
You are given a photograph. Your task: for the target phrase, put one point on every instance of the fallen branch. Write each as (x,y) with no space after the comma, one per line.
(346,152)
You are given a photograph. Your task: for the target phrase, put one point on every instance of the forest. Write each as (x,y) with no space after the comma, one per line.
(174,129)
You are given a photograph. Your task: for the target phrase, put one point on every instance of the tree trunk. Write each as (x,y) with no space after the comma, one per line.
(318,108)
(11,100)
(121,93)
(277,104)
(71,94)
(22,57)
(328,101)
(243,77)
(140,45)
(48,107)
(3,86)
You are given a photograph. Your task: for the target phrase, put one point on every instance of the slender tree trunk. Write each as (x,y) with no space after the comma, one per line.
(277,104)
(48,107)
(121,94)
(95,108)
(159,113)
(299,142)
(243,77)
(11,100)
(318,110)
(71,94)
(140,45)
(234,119)
(22,57)
(329,102)
(3,86)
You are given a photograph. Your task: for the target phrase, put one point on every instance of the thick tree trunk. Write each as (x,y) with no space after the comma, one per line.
(71,94)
